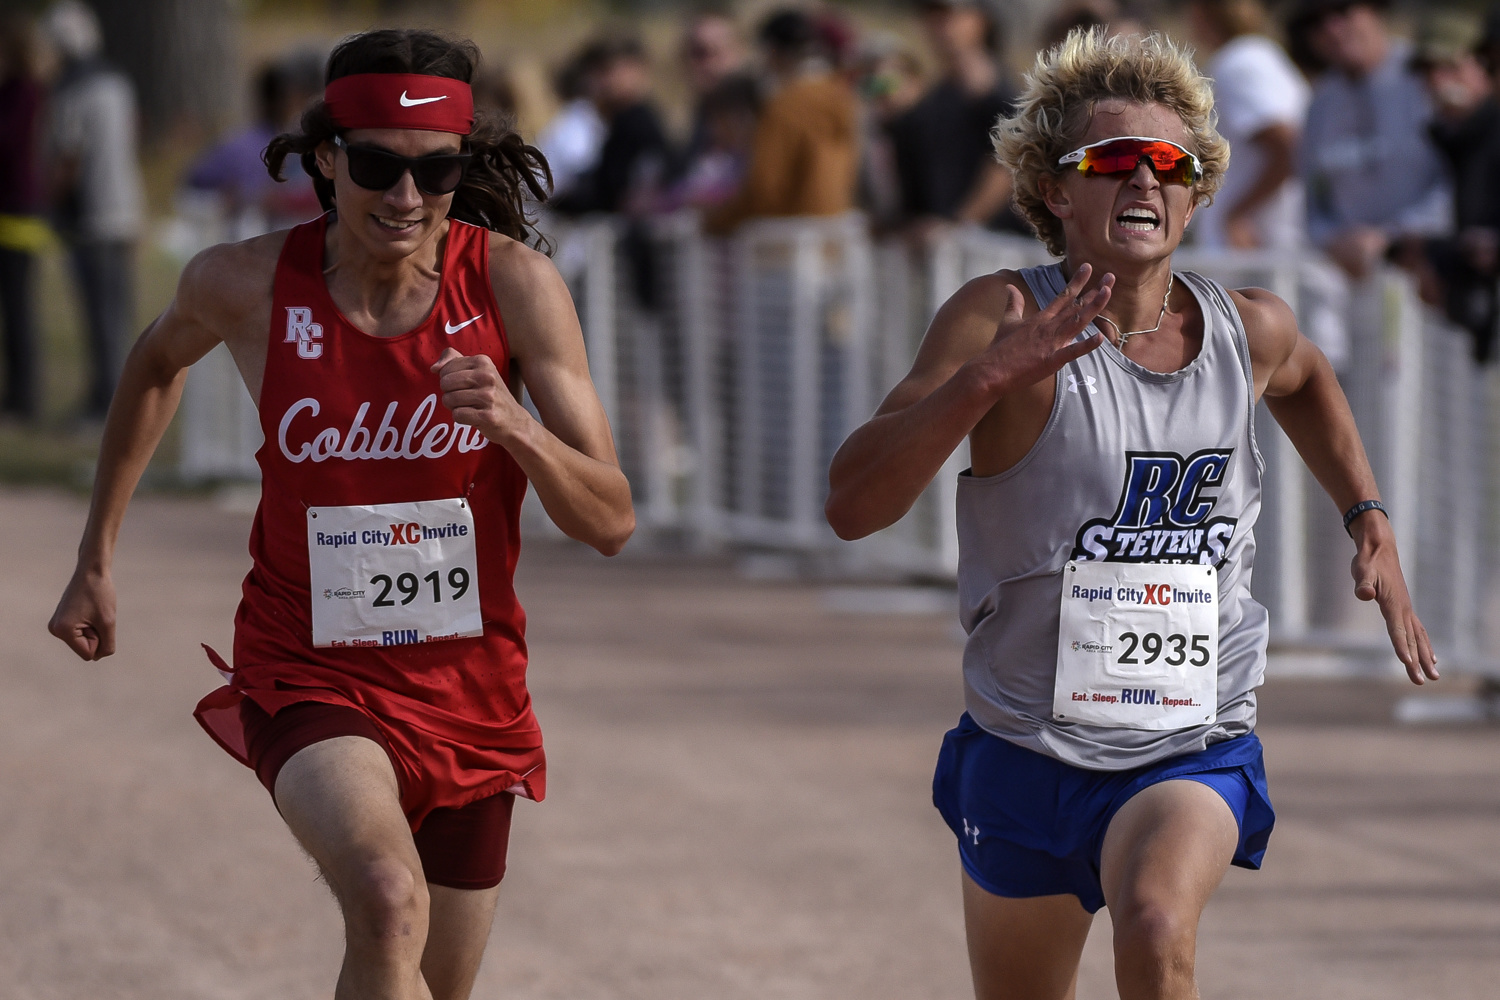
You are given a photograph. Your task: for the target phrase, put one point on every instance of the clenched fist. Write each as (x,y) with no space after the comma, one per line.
(476,393)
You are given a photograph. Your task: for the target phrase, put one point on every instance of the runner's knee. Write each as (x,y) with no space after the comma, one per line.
(383,899)
(1154,935)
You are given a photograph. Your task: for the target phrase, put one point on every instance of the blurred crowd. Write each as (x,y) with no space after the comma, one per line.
(1368,144)
(1374,145)
(68,166)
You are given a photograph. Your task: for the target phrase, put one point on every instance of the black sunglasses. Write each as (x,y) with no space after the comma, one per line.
(377,169)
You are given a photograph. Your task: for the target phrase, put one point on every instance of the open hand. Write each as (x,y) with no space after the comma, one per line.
(85,617)
(1027,349)
(1377,577)
(473,389)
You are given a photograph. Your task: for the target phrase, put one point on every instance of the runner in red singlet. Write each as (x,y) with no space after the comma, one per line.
(378,679)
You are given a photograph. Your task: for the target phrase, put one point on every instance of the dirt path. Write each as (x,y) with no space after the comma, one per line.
(738,804)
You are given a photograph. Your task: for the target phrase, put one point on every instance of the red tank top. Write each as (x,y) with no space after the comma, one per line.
(351,418)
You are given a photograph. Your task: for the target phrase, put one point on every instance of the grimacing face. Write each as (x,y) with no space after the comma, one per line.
(1131,217)
(391,224)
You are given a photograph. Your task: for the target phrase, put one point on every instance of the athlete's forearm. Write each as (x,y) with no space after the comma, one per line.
(143,405)
(588,499)
(1317,419)
(883,467)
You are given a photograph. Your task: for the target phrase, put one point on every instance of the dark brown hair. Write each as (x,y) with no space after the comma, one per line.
(503,171)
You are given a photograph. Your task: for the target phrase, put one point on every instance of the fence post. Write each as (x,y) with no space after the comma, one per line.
(808,288)
(700,332)
(859,271)
(1282,578)
(220,425)
(1287,500)
(747,402)
(1402,331)
(601,316)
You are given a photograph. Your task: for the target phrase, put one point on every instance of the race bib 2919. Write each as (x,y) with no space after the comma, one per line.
(393,574)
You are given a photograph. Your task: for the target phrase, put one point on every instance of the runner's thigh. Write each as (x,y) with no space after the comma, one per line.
(1024,949)
(342,802)
(1166,850)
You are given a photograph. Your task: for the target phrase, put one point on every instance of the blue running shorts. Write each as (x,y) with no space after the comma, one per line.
(1030,825)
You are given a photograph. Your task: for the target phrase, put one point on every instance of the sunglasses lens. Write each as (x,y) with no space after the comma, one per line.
(439,174)
(1114,158)
(374,170)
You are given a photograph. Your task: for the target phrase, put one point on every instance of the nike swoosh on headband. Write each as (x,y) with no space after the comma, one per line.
(454,329)
(411,102)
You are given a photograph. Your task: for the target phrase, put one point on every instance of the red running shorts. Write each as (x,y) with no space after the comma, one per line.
(461,848)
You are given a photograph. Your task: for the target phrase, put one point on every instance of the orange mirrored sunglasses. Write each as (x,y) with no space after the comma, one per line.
(1113,157)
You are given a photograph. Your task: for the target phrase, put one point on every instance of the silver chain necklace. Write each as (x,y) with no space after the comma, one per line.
(1123,336)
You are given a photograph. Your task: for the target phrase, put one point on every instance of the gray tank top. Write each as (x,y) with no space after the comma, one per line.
(1133,465)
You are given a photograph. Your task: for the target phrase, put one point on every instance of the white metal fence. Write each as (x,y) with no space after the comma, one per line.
(733,368)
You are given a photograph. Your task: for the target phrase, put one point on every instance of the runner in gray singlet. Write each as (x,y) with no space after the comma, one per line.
(1106,542)
(1017,529)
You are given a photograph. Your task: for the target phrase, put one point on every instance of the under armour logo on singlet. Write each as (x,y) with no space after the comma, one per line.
(302,331)
(1088,381)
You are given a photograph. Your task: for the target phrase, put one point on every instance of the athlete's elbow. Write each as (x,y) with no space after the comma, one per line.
(844,516)
(610,543)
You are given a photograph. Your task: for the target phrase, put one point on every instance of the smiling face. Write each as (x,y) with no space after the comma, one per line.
(1128,217)
(390,224)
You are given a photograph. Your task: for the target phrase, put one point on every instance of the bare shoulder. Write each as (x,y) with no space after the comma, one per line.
(521,272)
(963,327)
(986,295)
(533,299)
(230,285)
(1270,326)
(966,323)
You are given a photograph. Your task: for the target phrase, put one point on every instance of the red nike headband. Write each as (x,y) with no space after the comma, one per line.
(401,100)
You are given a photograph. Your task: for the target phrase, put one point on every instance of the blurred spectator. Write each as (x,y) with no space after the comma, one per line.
(837,37)
(495,91)
(251,199)
(22,231)
(1488,48)
(805,154)
(890,80)
(712,51)
(1262,102)
(1374,181)
(716,66)
(571,139)
(1466,129)
(727,116)
(636,157)
(98,199)
(944,158)
(1081,15)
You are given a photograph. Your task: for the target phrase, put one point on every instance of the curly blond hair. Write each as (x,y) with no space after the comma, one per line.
(1062,90)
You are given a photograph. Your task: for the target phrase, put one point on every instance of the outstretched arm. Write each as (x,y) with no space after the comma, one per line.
(570,455)
(147,396)
(964,366)
(1304,396)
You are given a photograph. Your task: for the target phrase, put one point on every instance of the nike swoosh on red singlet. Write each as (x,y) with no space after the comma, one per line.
(452,329)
